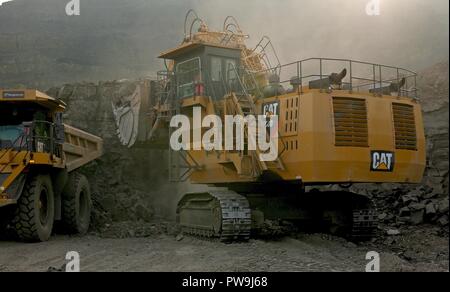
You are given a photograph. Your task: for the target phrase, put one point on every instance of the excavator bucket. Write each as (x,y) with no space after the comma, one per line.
(137,113)
(126,111)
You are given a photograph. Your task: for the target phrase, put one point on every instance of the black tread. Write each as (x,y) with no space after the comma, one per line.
(234,226)
(70,217)
(26,221)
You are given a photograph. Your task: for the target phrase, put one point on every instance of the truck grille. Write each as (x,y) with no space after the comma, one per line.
(405,126)
(350,122)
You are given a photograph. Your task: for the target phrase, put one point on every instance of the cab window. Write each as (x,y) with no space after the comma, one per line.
(232,74)
(216,68)
(11,133)
(188,73)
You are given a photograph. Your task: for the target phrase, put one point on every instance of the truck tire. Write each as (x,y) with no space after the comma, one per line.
(34,215)
(76,205)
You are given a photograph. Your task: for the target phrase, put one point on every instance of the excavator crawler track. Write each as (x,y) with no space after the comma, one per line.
(220,214)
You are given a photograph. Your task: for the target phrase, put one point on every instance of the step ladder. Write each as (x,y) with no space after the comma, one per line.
(244,106)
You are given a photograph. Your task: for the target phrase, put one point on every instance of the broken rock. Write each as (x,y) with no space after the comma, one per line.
(417,217)
(403,220)
(416,193)
(382,216)
(144,213)
(443,206)
(430,195)
(430,209)
(404,212)
(179,237)
(416,206)
(408,199)
(443,221)
(393,232)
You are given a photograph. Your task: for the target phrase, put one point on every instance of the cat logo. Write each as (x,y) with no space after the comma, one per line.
(271,108)
(382,161)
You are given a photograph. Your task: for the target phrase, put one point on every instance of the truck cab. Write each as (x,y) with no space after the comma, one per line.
(27,124)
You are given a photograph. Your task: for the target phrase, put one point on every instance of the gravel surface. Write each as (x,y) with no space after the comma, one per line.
(162,252)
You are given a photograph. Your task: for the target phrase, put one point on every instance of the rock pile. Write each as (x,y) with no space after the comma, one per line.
(420,205)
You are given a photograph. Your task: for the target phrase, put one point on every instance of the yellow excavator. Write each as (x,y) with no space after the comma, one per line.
(340,122)
(39,161)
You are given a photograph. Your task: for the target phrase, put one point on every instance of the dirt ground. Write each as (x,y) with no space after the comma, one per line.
(159,251)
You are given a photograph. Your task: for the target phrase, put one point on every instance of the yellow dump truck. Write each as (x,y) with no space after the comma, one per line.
(39,158)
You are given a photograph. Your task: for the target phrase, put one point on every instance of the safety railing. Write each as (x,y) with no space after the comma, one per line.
(268,54)
(315,73)
(166,87)
(359,77)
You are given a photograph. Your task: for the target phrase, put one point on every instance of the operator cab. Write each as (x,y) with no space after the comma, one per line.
(14,122)
(31,121)
(204,69)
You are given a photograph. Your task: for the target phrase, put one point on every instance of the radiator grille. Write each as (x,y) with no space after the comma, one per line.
(405,126)
(350,122)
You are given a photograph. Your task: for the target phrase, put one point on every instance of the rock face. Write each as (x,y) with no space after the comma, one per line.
(433,85)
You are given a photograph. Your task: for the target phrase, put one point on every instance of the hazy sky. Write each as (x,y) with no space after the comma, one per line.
(114,39)
(406,33)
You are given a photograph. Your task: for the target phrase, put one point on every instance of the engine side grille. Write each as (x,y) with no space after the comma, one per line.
(405,126)
(350,122)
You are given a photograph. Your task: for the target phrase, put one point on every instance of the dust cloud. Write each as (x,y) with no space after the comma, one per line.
(407,33)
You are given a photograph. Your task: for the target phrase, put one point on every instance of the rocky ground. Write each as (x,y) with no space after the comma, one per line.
(159,247)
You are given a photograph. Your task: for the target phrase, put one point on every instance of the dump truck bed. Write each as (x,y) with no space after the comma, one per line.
(80,147)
